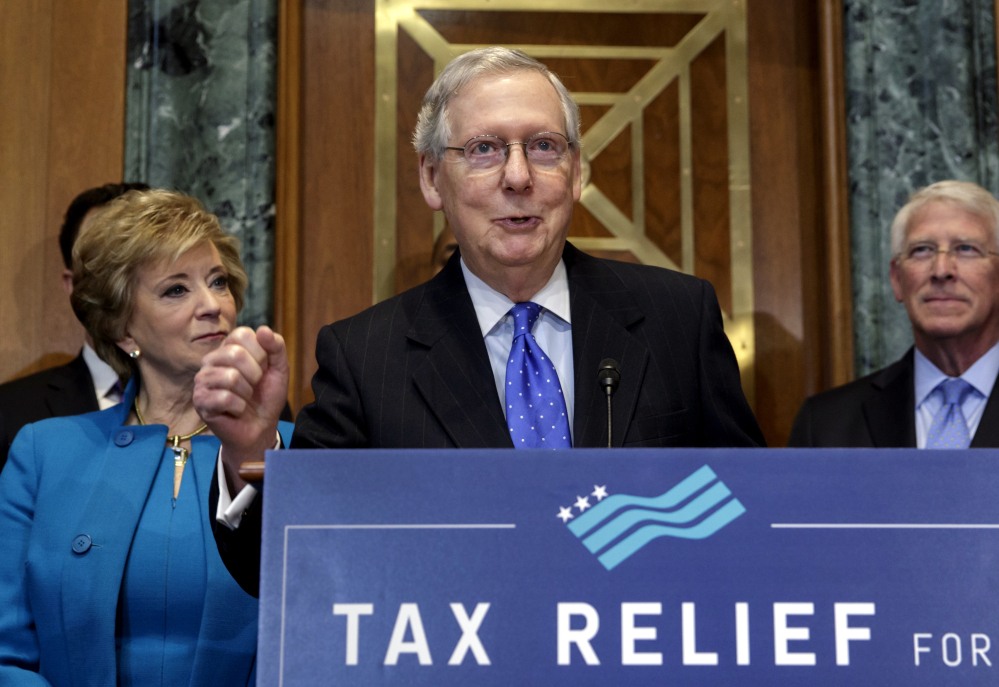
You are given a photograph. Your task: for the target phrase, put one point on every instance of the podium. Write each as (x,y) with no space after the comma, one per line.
(630,567)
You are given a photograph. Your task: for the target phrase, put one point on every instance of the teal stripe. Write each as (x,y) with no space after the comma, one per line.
(693,510)
(714,522)
(606,508)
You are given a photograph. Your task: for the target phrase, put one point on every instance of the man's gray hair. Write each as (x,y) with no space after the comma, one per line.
(433,126)
(963,195)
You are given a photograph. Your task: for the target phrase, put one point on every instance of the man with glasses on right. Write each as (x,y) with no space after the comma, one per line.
(945,270)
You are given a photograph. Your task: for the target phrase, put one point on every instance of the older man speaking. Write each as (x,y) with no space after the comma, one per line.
(502,348)
(945,270)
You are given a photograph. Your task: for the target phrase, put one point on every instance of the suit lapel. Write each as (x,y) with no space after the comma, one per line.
(602,312)
(455,378)
(229,614)
(91,581)
(987,434)
(890,414)
(70,390)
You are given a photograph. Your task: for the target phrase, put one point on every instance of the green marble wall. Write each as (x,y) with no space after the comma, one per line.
(200,118)
(921,107)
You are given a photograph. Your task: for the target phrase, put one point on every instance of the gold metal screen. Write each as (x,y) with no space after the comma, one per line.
(720,17)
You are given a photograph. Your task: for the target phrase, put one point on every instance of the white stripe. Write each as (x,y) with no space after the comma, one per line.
(880,526)
(484,526)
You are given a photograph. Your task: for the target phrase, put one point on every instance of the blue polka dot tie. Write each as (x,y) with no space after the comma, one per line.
(535,407)
(949,429)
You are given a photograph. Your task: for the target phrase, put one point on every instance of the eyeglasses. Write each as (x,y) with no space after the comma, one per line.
(546,149)
(965,252)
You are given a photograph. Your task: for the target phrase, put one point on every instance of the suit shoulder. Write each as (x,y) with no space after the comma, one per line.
(102,420)
(852,394)
(635,274)
(385,314)
(14,390)
(90,428)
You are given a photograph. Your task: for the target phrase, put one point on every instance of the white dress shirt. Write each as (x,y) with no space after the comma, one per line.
(552,331)
(105,379)
(981,376)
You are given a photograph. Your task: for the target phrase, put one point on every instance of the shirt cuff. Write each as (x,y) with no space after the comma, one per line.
(230,510)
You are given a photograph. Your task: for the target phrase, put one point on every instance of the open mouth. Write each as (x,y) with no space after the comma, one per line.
(523,221)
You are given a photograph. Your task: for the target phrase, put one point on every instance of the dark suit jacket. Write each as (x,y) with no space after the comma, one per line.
(56,392)
(413,372)
(877,411)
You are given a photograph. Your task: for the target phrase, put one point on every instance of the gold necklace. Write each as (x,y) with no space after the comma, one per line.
(179,452)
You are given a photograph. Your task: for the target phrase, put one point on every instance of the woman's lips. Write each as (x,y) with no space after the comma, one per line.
(212,337)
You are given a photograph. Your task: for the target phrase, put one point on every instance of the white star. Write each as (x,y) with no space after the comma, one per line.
(600,493)
(565,514)
(582,503)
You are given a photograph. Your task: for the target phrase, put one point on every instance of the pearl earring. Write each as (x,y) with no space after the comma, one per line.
(135,354)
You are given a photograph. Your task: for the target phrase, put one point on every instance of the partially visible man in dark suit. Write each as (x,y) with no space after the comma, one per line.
(502,347)
(945,270)
(83,385)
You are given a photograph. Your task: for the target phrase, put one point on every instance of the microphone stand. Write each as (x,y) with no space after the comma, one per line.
(609,377)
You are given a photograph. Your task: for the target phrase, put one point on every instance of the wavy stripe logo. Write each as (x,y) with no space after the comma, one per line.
(620,525)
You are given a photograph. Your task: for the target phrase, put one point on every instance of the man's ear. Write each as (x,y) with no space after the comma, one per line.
(896,283)
(67,281)
(428,182)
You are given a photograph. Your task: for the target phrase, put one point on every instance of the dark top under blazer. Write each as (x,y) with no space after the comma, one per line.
(56,392)
(877,411)
(413,372)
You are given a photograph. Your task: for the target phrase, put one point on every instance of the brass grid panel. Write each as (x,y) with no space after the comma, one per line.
(721,16)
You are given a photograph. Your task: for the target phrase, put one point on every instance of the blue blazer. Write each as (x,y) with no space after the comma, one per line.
(71,496)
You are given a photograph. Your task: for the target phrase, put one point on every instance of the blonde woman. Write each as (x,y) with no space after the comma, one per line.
(111,575)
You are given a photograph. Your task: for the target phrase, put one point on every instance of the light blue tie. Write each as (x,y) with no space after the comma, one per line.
(949,429)
(535,407)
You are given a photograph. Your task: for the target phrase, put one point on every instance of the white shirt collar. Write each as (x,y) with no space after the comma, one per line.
(103,375)
(981,375)
(491,306)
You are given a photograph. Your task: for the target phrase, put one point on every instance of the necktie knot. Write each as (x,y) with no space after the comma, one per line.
(955,390)
(949,429)
(524,316)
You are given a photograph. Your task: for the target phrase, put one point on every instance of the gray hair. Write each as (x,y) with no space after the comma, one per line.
(963,195)
(433,126)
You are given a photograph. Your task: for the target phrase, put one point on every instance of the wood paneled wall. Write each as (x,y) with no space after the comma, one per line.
(62,110)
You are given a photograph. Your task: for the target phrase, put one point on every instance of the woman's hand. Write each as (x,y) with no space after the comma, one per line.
(240,391)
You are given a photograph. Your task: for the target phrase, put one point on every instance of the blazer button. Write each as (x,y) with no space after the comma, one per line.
(123,438)
(81,544)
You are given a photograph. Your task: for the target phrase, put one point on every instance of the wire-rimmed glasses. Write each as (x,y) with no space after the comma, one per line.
(923,254)
(487,152)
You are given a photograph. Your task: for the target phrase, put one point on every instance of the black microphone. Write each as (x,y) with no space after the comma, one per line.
(608,377)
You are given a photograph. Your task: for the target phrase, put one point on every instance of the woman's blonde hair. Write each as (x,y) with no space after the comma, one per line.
(139,228)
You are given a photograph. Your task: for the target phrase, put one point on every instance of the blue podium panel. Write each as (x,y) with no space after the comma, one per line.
(636,567)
